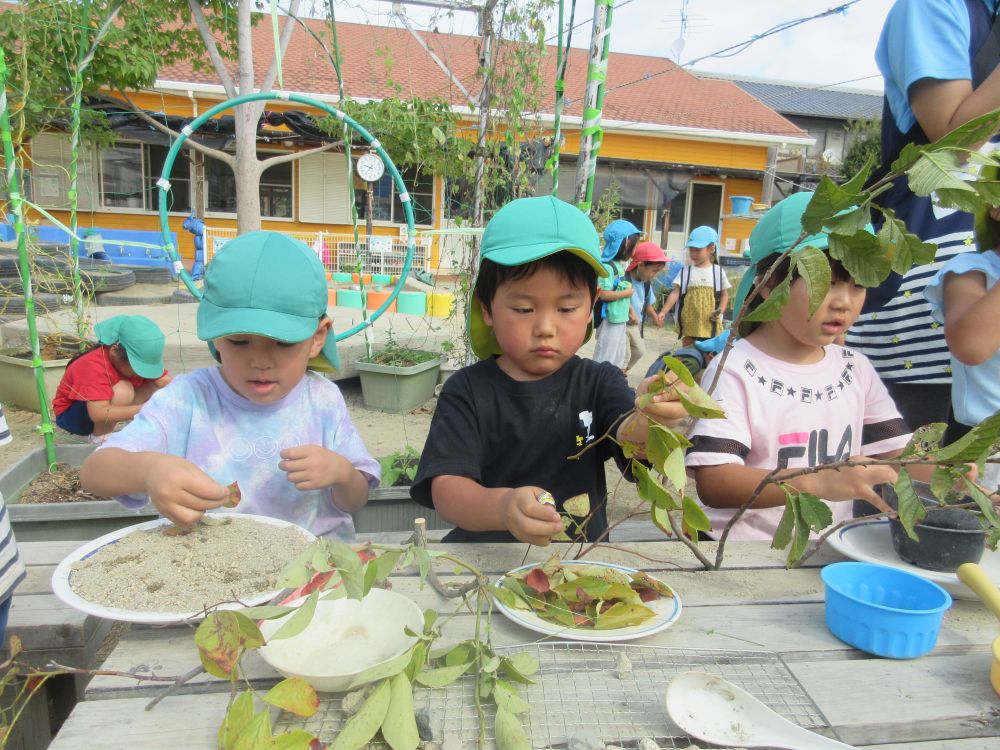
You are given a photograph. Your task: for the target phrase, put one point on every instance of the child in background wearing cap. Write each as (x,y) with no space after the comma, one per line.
(647,261)
(965,296)
(701,290)
(110,382)
(793,398)
(260,418)
(505,427)
(614,292)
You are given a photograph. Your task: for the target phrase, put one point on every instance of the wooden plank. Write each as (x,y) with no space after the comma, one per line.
(975,743)
(185,721)
(888,700)
(46,553)
(44,622)
(797,631)
(694,588)
(193,721)
(495,559)
(37,581)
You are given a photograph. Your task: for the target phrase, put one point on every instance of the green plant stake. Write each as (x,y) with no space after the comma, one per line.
(17,208)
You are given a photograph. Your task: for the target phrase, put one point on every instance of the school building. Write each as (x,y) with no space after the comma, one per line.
(679,146)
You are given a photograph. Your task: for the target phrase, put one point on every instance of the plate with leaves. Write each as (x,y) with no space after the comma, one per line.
(587,601)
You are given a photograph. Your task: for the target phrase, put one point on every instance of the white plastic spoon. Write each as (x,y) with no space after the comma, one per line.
(715,710)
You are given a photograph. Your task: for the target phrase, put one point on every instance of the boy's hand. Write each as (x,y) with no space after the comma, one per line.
(181,491)
(529,520)
(849,483)
(716,314)
(664,407)
(313,467)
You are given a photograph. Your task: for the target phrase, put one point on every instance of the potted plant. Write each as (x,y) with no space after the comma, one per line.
(398,379)
(399,469)
(64,513)
(945,538)
(17,376)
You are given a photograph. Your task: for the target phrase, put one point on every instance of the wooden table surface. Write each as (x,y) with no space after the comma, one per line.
(942,700)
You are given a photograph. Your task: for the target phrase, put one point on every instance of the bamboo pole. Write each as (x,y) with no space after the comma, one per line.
(591,134)
(17,209)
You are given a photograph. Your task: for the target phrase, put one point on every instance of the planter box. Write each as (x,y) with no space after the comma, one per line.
(391,509)
(397,389)
(44,522)
(17,380)
(388,508)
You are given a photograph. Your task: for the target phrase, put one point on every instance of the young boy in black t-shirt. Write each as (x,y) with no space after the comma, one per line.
(505,427)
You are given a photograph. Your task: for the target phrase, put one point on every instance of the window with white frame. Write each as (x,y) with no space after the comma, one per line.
(128,176)
(386,205)
(275,188)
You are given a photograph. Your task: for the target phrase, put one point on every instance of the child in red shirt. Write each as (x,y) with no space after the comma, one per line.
(109,383)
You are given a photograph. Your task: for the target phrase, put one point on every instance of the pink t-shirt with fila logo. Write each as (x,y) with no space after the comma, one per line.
(783,415)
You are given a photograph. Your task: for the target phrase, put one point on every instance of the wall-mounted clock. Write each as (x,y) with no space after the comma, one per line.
(370,167)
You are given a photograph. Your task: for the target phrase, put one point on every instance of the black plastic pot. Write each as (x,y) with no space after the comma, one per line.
(947,537)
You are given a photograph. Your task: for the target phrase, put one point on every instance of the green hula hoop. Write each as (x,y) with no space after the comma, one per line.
(163,184)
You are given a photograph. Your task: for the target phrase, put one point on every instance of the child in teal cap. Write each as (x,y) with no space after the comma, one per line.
(504,428)
(261,418)
(110,382)
(793,397)
(614,292)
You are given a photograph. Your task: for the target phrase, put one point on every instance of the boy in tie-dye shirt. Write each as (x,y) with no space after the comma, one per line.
(261,418)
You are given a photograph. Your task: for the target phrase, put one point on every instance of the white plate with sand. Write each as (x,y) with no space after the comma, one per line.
(348,642)
(138,574)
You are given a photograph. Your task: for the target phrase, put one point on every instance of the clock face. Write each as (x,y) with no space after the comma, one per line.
(370,167)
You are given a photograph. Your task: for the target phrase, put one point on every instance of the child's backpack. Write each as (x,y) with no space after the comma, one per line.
(686,279)
(617,278)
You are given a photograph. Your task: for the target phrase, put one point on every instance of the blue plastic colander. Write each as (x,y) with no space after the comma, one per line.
(882,610)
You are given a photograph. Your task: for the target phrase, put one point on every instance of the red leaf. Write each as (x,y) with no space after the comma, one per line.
(34,682)
(583,596)
(581,620)
(538,580)
(234,496)
(648,595)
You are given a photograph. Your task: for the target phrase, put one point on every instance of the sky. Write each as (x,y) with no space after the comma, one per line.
(834,49)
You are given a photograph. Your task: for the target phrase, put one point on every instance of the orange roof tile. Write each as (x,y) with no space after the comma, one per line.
(382,62)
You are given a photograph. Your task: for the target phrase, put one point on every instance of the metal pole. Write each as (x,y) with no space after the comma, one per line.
(590,132)
(17,209)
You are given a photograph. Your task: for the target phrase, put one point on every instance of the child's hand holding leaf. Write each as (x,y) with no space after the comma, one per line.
(528,519)
(180,490)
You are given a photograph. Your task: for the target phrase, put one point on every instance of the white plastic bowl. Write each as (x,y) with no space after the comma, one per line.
(345,638)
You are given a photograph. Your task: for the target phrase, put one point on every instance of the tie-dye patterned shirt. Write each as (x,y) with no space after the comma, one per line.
(199,417)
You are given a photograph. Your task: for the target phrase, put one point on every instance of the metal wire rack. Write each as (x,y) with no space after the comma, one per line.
(599,691)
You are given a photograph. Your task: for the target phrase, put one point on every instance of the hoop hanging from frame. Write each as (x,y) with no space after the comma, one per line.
(163,185)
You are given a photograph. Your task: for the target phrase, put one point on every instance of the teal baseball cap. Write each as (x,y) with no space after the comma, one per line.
(141,339)
(267,284)
(524,231)
(777,231)
(702,236)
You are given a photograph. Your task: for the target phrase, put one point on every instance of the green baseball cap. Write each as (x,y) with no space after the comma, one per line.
(267,284)
(141,338)
(524,231)
(775,233)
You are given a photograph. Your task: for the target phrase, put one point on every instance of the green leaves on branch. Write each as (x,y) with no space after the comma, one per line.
(863,256)
(904,249)
(814,268)
(804,512)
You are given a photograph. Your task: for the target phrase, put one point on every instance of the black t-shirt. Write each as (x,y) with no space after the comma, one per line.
(502,432)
